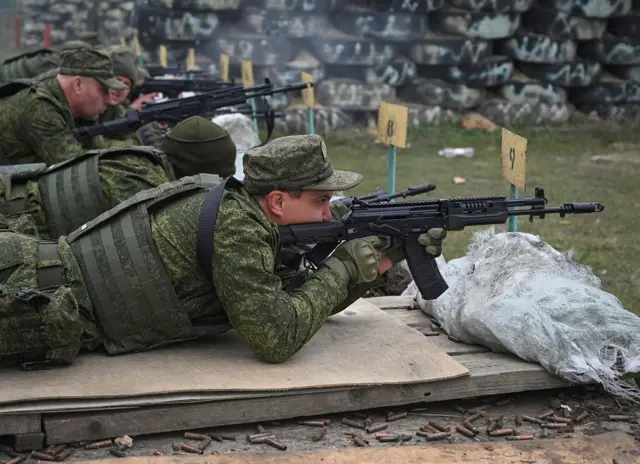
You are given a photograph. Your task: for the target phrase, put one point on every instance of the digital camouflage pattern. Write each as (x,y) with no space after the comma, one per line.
(41,325)
(121,174)
(36,124)
(28,65)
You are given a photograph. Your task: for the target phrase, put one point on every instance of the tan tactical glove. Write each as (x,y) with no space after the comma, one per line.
(356,261)
(432,241)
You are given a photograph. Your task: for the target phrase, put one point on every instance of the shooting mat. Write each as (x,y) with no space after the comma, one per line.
(360,347)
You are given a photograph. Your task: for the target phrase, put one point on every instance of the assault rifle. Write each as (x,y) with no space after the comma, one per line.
(382,196)
(173,111)
(403,222)
(158,70)
(173,87)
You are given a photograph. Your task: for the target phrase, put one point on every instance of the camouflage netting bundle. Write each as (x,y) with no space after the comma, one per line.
(514,293)
(514,61)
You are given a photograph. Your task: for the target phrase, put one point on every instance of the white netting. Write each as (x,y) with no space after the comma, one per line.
(515,293)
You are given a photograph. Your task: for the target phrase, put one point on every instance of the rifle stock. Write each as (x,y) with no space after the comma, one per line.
(404,222)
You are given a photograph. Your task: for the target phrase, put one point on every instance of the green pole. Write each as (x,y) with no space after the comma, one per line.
(391,172)
(513,220)
(310,121)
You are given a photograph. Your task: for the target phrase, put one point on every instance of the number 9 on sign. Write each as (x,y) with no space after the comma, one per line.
(392,124)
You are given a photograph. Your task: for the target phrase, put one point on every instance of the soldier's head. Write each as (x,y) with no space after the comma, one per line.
(293,179)
(125,70)
(198,145)
(86,77)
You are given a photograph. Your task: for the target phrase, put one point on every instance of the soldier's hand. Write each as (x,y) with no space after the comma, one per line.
(150,134)
(432,241)
(146,98)
(357,261)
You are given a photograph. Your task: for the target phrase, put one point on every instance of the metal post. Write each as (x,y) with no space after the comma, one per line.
(391,177)
(252,102)
(310,121)
(513,220)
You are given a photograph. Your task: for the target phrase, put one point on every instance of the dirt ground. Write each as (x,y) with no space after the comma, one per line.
(514,409)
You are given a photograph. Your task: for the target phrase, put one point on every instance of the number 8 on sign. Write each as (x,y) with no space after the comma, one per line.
(392,125)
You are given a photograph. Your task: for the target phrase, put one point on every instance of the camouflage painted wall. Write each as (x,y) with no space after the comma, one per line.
(534,61)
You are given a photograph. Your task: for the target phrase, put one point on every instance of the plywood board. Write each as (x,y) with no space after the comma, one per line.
(335,357)
(611,447)
(490,374)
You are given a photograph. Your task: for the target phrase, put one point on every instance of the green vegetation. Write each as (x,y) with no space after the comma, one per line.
(587,161)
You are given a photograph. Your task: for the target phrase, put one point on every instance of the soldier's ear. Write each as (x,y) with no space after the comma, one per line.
(275,200)
(76,84)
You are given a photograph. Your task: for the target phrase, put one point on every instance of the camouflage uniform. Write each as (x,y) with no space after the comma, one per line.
(36,122)
(166,297)
(53,203)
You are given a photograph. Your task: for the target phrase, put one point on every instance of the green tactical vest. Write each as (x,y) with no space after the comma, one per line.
(28,65)
(71,191)
(135,303)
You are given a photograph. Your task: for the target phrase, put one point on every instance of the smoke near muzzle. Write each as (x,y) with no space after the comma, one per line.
(515,61)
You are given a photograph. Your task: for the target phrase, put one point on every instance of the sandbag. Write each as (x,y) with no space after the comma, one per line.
(514,293)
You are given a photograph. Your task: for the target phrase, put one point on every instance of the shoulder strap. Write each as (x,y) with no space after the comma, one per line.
(207,224)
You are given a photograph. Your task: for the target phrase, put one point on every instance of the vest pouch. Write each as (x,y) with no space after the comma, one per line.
(39,327)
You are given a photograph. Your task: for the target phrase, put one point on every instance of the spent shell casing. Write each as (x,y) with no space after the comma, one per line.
(459,409)
(358,441)
(469,426)
(259,428)
(99,444)
(275,444)
(405,437)
(389,439)
(376,428)
(396,416)
(57,449)
(159,453)
(260,437)
(368,421)
(493,425)
(428,428)
(438,426)
(582,416)
(49,449)
(517,420)
(437,436)
(42,456)
(532,420)
(228,437)
(474,417)
(194,436)
(204,444)
(217,438)
(554,425)
(559,419)
(175,446)
(118,453)
(384,434)
(546,414)
(309,423)
(619,417)
(520,437)
(464,431)
(504,402)
(319,435)
(501,433)
(352,423)
(16,460)
(64,454)
(189,449)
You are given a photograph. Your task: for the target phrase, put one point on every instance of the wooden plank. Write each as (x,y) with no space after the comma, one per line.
(13,424)
(616,447)
(419,321)
(389,302)
(454,348)
(490,374)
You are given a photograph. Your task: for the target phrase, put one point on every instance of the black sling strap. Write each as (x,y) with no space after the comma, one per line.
(207,224)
